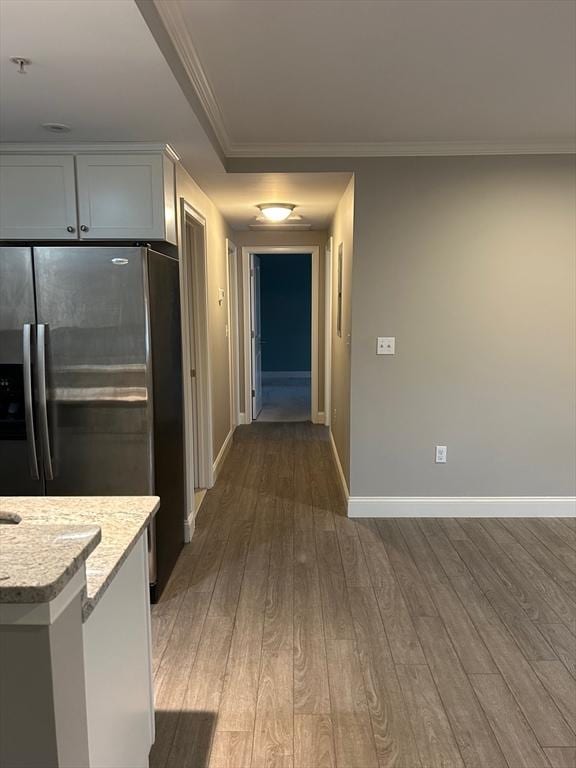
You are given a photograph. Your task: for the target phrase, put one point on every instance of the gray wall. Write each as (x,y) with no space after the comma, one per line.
(470,263)
(216,233)
(286,311)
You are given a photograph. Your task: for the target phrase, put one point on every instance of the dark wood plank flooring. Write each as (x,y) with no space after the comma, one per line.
(292,637)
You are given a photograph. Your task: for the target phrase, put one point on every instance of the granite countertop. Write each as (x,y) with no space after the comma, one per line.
(121,520)
(37,561)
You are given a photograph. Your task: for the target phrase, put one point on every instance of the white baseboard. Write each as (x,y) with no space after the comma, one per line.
(319,418)
(462,506)
(242,418)
(190,522)
(219,460)
(189,525)
(341,475)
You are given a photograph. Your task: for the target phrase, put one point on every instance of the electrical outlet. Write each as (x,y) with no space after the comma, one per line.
(441,454)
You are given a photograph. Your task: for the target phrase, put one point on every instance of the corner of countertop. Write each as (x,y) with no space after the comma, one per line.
(121,520)
(39,560)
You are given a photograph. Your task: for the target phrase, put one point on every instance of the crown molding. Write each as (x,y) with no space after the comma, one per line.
(170,13)
(172,19)
(399,149)
(64,148)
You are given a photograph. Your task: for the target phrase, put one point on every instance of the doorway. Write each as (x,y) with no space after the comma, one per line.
(281,333)
(196,361)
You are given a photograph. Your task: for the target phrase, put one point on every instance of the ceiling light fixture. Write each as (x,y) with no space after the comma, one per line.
(56,127)
(276,211)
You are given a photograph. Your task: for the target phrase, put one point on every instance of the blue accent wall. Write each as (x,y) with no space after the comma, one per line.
(286,310)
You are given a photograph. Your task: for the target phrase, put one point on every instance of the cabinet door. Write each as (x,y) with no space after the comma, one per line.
(37,197)
(121,197)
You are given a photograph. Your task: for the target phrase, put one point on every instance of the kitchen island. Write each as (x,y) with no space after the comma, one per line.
(75,659)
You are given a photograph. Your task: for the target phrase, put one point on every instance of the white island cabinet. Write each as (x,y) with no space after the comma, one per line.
(117,665)
(75,639)
(87,193)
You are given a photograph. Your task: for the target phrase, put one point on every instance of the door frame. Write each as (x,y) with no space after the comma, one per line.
(233,332)
(314,252)
(328,276)
(255,335)
(194,308)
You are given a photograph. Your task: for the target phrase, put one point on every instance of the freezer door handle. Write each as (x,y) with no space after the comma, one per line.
(42,402)
(28,407)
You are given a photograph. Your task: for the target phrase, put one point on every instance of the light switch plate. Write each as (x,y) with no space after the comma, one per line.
(386,345)
(441,454)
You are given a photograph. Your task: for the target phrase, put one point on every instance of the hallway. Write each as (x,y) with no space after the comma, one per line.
(293,637)
(285,398)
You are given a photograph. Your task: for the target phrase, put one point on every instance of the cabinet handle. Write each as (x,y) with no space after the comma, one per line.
(70,229)
(84,228)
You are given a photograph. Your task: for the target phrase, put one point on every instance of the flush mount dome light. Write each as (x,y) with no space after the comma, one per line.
(276,211)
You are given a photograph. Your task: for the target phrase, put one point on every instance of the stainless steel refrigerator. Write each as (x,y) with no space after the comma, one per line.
(91,381)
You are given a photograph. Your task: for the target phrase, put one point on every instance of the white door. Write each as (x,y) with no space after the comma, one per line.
(196,444)
(121,197)
(38,197)
(256,336)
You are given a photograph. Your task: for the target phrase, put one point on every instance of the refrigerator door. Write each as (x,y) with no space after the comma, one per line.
(20,473)
(92,360)
(164,296)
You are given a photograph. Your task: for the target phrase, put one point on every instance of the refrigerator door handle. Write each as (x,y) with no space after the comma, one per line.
(28,408)
(42,402)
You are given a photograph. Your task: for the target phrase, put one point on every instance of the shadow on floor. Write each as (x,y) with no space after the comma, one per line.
(183,739)
(304,477)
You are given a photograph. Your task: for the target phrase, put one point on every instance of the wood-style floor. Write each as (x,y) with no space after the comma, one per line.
(293,637)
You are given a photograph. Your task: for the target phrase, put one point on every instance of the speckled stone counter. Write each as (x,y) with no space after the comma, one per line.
(37,561)
(121,520)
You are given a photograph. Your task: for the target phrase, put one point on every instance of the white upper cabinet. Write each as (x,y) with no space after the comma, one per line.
(87,195)
(37,197)
(122,197)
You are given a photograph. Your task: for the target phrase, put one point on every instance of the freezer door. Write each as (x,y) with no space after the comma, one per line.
(93,357)
(19,468)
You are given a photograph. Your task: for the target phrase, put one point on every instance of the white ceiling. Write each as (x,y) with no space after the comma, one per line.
(358,76)
(96,67)
(341,77)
